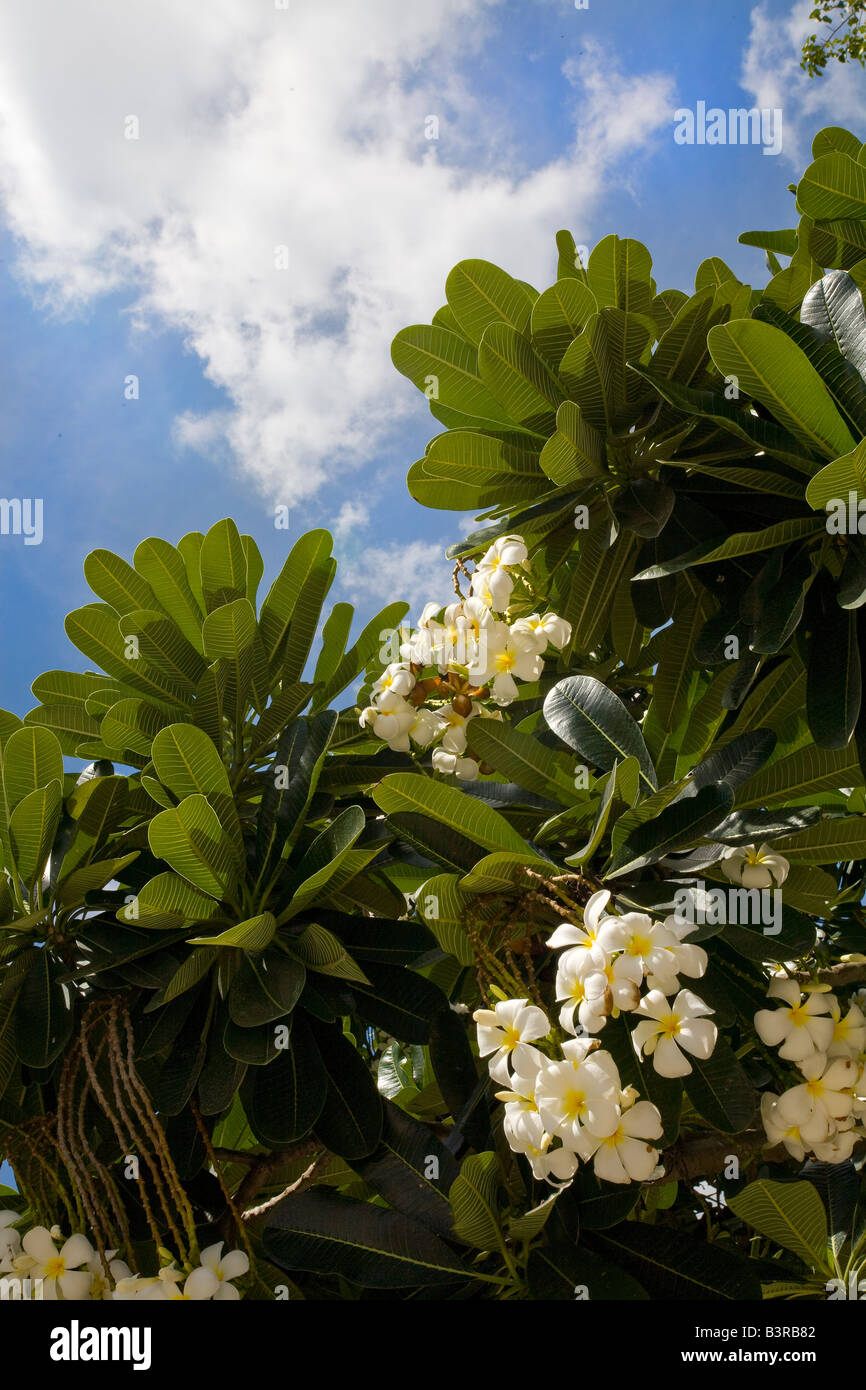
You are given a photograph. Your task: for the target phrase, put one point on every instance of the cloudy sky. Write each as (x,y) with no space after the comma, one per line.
(239,203)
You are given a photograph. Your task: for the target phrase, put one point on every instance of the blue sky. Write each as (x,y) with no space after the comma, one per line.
(152,256)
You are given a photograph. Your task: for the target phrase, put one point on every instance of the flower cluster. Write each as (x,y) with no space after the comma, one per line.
(470,654)
(571,1109)
(825,1114)
(603,966)
(71,1270)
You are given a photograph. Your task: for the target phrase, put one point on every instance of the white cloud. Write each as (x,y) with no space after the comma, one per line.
(771,72)
(303,128)
(353,516)
(415,572)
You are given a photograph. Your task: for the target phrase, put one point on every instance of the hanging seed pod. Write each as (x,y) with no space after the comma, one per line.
(462,705)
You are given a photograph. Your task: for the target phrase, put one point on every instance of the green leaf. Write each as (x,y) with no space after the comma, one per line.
(790,1214)
(446,368)
(351,1120)
(252,935)
(743,543)
(720,1091)
(284,1099)
(412,1170)
(321,951)
(290,597)
(166,903)
(192,841)
(800,775)
(595,723)
(519,379)
(397,1001)
(519,757)
(676,827)
(116,582)
(187,762)
(32,828)
(834,186)
(558,316)
(406,791)
(783,241)
(266,987)
(328,1233)
(673,1265)
(378,630)
(164,569)
(131,725)
(575,453)
(443,906)
(831,841)
(43,1013)
(833,682)
(620,273)
(835,480)
(229,633)
(473,1199)
(163,646)
(223,566)
(479,293)
(834,308)
(31,758)
(772,369)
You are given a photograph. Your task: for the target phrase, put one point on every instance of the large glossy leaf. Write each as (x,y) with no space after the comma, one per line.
(834,308)
(412,1170)
(833,682)
(285,1098)
(720,1091)
(833,186)
(351,1120)
(772,369)
(285,602)
(595,723)
(620,273)
(519,757)
(473,1197)
(376,631)
(406,791)
(167,903)
(266,987)
(328,1233)
(396,1000)
(323,860)
(558,316)
(43,1013)
(31,758)
(223,565)
(190,839)
(163,645)
(290,785)
(187,762)
(519,379)
(674,1265)
(676,827)
(164,569)
(32,828)
(790,1214)
(479,293)
(832,841)
(446,366)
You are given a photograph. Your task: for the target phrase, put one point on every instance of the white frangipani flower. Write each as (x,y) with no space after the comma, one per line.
(802,1025)
(453,765)
(58,1269)
(10,1240)
(491,577)
(550,628)
(504,1032)
(779,1130)
(212,1279)
(571,1095)
(501,657)
(391,721)
(816,1106)
(624,1155)
(669,1026)
(849,1032)
(680,957)
(755,868)
(396,679)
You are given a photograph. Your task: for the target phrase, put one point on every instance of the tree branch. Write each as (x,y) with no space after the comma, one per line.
(845,973)
(704,1155)
(264,1168)
(307,1178)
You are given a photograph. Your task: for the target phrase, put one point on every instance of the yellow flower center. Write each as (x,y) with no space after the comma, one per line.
(841,1030)
(799,1016)
(574,1104)
(638,946)
(753,857)
(815,1087)
(505,661)
(511,1037)
(669,1025)
(54,1268)
(617,1137)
